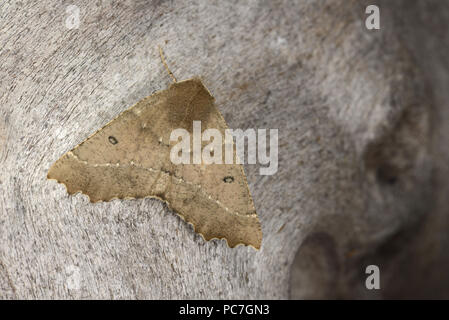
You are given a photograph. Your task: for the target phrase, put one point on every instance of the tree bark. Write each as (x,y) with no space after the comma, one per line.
(363,123)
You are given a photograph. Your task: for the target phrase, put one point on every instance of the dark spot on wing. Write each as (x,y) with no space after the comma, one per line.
(228,179)
(112,140)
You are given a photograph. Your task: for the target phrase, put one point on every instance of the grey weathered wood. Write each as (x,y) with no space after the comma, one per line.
(363,121)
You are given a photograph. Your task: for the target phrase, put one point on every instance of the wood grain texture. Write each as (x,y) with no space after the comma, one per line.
(363,154)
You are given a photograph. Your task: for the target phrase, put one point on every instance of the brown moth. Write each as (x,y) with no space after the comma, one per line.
(129,158)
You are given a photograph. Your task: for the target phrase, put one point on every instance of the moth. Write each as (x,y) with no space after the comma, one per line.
(129,158)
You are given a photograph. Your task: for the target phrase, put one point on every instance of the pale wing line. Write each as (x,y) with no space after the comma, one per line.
(133,164)
(189,106)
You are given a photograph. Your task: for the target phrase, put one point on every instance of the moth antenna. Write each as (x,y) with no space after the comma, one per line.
(161,53)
